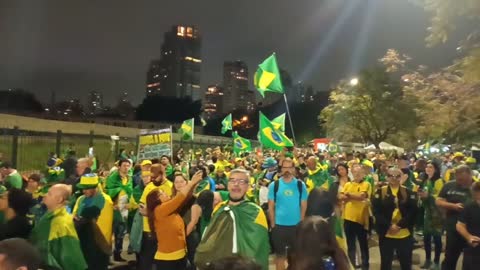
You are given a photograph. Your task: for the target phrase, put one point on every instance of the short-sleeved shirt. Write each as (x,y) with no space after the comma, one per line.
(356,211)
(454,193)
(287,206)
(165,187)
(471,218)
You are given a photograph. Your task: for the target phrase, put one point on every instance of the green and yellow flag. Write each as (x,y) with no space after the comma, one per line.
(241,144)
(267,78)
(270,137)
(279,122)
(186,130)
(227,124)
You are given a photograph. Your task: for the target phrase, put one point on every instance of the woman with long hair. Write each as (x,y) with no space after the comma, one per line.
(316,247)
(432,227)
(168,225)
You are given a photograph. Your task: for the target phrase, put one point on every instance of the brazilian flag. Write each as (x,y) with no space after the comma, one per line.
(241,144)
(270,137)
(279,122)
(267,77)
(333,148)
(227,124)
(186,130)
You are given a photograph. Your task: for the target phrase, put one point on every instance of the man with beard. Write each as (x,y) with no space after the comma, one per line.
(149,241)
(238,226)
(287,204)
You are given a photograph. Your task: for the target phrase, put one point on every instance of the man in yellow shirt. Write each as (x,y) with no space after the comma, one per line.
(149,241)
(394,207)
(356,214)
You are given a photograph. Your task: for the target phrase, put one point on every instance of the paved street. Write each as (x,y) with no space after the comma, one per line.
(418,258)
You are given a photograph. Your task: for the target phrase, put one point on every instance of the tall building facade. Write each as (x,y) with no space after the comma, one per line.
(177,72)
(213,101)
(94,103)
(235,83)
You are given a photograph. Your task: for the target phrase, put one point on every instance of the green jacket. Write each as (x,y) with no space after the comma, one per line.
(56,239)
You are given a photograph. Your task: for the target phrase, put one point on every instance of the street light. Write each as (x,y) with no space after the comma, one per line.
(354,81)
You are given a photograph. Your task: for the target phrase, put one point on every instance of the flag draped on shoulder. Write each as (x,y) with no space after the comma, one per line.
(267,78)
(186,130)
(279,122)
(227,124)
(241,144)
(271,138)
(241,229)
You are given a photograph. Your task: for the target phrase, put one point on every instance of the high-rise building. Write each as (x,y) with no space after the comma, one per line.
(94,103)
(235,84)
(213,101)
(177,72)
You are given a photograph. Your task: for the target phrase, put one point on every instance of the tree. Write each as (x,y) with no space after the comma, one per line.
(372,111)
(169,109)
(445,102)
(446,16)
(19,101)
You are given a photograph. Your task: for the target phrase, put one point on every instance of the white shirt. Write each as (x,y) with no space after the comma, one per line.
(263,195)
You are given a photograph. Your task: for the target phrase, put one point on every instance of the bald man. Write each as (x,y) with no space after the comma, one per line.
(55,236)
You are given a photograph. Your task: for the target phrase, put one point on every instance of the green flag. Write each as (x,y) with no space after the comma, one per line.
(241,144)
(186,130)
(227,123)
(267,77)
(333,147)
(271,138)
(279,122)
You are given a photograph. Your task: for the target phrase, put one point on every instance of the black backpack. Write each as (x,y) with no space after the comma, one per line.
(276,186)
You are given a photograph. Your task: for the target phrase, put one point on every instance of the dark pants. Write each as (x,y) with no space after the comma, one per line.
(171,265)
(119,231)
(193,239)
(402,247)
(471,258)
(147,252)
(453,249)
(354,231)
(427,243)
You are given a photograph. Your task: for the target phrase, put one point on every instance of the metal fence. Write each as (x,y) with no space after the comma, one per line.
(29,150)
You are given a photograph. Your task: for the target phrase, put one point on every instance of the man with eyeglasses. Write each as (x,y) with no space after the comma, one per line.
(394,207)
(287,204)
(237,227)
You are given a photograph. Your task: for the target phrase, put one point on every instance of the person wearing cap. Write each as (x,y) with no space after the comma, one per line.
(33,187)
(55,236)
(145,165)
(15,204)
(93,214)
(11,178)
(457,160)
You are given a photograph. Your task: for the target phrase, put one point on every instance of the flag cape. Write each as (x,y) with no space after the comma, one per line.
(271,138)
(227,124)
(56,239)
(240,229)
(267,78)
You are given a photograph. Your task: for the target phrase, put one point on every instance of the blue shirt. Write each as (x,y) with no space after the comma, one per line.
(287,206)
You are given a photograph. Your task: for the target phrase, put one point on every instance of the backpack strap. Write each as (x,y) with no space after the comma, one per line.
(300,191)
(276,185)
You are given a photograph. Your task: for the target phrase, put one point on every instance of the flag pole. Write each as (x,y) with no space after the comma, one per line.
(289,118)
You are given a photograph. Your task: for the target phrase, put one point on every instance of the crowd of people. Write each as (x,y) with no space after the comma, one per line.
(215,210)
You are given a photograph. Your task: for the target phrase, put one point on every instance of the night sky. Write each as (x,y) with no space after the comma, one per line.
(73,47)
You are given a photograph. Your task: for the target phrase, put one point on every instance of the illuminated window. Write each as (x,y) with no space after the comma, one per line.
(180,31)
(189,32)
